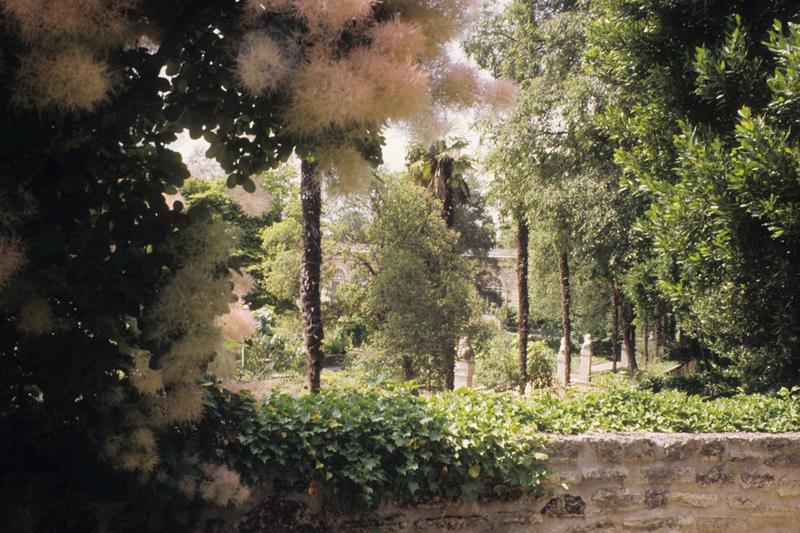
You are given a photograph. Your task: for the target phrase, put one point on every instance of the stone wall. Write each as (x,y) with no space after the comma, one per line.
(612,482)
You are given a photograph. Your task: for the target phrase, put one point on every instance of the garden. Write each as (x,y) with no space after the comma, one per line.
(273,265)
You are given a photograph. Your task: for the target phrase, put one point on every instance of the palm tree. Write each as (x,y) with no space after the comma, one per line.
(440,168)
(310,264)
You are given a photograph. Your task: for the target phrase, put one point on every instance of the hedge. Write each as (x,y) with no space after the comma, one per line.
(362,446)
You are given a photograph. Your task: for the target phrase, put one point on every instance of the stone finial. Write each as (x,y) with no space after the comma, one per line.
(587,341)
(465,365)
(561,362)
(465,352)
(585,370)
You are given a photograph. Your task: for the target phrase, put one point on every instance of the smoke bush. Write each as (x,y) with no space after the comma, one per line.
(68,80)
(345,169)
(261,65)
(12,257)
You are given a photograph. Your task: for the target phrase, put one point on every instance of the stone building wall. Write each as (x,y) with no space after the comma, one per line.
(499,264)
(614,482)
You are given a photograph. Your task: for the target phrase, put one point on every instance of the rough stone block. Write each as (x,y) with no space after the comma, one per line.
(663,474)
(757,479)
(567,477)
(604,525)
(744,458)
(516,517)
(640,448)
(613,475)
(789,487)
(718,524)
(682,449)
(713,448)
(615,500)
(784,460)
(773,443)
(564,506)
(387,525)
(744,502)
(655,498)
(563,450)
(693,499)
(609,450)
(716,475)
(469,523)
(627,449)
(650,524)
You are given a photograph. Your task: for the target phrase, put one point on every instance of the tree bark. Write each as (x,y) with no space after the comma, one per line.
(522,299)
(614,324)
(310,265)
(628,333)
(656,329)
(445,167)
(450,365)
(645,348)
(408,368)
(563,269)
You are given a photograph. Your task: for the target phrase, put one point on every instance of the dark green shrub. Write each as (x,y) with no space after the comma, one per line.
(541,365)
(713,383)
(370,445)
(365,446)
(496,363)
(625,409)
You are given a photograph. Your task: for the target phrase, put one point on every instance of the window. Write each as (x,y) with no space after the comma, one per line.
(493,290)
(338,278)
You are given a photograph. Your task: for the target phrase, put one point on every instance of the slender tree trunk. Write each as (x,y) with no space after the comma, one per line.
(645,347)
(441,188)
(614,324)
(657,330)
(447,210)
(310,264)
(450,365)
(563,270)
(408,368)
(628,333)
(522,299)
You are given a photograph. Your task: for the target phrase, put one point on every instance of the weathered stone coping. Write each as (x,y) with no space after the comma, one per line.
(713,482)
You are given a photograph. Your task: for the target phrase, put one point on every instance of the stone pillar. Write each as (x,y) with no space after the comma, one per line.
(586,359)
(465,365)
(561,362)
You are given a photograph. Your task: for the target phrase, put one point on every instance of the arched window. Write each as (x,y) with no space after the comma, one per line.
(338,278)
(492,289)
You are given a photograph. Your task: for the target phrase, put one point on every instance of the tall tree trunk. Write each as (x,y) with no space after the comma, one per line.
(442,189)
(628,333)
(310,264)
(448,207)
(614,324)
(566,330)
(645,347)
(408,368)
(657,329)
(450,365)
(449,214)
(522,299)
